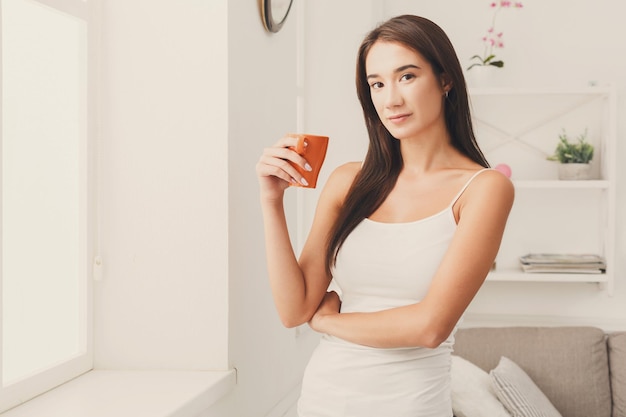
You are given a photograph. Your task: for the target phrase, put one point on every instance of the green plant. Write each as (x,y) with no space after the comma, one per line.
(489,60)
(579,152)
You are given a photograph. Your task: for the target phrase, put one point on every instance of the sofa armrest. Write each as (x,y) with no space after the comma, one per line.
(617,362)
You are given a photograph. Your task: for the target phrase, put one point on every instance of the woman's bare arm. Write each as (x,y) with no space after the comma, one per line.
(298,286)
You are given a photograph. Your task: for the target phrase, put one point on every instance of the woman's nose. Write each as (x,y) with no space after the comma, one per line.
(393,97)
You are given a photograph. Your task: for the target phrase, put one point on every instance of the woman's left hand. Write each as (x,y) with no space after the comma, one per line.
(330,305)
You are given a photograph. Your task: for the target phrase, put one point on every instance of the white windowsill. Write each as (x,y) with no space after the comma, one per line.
(102,393)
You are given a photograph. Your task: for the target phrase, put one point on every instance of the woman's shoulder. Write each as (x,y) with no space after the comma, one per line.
(340,181)
(346,172)
(490,184)
(490,177)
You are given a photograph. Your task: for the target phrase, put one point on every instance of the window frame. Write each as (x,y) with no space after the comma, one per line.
(35,384)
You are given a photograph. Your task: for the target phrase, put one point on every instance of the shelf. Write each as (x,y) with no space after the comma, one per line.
(514,126)
(508,91)
(561,184)
(515,275)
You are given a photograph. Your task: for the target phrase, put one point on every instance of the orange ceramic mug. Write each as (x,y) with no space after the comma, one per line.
(313,149)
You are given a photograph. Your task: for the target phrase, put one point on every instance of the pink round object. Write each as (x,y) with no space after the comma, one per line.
(505,169)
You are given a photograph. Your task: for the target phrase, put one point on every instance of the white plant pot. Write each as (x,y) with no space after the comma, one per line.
(484,76)
(574,171)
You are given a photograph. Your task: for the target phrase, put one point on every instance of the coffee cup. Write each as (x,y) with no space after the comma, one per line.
(313,149)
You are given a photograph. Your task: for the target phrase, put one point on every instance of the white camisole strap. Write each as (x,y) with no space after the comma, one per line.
(467,184)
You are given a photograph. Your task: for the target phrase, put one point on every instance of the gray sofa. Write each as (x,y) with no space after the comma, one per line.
(582,370)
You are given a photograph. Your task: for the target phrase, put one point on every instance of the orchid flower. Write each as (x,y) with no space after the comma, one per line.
(493,40)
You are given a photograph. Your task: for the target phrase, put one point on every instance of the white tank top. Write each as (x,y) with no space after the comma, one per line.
(386,265)
(381,266)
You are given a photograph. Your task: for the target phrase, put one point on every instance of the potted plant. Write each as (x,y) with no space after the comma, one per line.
(574,157)
(493,38)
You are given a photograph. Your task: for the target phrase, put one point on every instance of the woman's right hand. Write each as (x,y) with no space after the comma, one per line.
(275,173)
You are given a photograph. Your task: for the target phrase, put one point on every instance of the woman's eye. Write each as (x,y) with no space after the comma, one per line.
(407,77)
(377,84)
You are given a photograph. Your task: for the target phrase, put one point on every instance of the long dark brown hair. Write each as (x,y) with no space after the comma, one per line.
(383,161)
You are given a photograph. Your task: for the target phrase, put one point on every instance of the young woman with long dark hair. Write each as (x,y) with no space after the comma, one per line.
(408,235)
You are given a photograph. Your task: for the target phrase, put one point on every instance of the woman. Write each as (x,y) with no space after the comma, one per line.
(409,235)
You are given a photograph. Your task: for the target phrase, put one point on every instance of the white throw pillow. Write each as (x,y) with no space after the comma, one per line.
(472,392)
(519,394)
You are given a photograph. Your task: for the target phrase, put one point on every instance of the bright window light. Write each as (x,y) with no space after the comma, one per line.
(45,244)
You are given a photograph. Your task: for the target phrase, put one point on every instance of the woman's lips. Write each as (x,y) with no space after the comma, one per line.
(398,118)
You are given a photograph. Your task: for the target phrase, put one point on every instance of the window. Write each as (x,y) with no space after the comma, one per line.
(47,210)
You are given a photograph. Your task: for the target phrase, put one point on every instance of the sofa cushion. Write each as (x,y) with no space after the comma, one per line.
(568,364)
(519,394)
(617,360)
(473,394)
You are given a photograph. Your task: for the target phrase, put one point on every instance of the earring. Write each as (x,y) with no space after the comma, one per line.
(446,94)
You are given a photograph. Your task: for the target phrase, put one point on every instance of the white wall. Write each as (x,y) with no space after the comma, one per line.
(262,107)
(163,301)
(333,32)
(191,93)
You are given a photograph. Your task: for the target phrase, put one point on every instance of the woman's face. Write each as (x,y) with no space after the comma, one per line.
(407,95)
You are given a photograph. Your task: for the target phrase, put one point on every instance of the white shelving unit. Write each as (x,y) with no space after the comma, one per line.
(520,128)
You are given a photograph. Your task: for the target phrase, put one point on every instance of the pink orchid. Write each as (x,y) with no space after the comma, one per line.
(494,40)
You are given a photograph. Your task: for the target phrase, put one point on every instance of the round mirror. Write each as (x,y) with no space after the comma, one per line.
(274,13)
